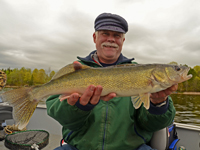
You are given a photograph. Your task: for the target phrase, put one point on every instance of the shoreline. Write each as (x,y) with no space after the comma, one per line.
(188,93)
(11,86)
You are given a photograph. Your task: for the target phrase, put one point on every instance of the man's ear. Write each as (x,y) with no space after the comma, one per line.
(94,37)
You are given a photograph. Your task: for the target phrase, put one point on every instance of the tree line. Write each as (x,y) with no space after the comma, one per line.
(193,84)
(27,77)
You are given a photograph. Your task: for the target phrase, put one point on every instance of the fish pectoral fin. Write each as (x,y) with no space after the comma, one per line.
(145,99)
(136,101)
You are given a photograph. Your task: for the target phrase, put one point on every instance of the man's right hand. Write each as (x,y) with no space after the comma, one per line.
(92,95)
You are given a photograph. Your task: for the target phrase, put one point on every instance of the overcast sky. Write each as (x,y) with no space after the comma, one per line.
(52,33)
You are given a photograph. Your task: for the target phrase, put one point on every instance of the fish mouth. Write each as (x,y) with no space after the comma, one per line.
(184,74)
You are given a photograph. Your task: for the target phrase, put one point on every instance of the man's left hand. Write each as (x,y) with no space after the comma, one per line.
(159,97)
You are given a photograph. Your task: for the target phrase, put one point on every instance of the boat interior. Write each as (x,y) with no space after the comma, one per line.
(189,135)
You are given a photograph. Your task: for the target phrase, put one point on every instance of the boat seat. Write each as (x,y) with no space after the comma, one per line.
(160,140)
(165,139)
(5,113)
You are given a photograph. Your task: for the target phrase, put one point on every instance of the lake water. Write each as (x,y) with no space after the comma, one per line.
(187,108)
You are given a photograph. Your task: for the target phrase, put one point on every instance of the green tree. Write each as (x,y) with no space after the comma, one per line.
(42,76)
(13,78)
(195,84)
(24,76)
(35,76)
(51,75)
(22,73)
(31,81)
(27,78)
(197,70)
(8,71)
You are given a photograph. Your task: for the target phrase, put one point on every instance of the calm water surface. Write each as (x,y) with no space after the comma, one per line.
(187,108)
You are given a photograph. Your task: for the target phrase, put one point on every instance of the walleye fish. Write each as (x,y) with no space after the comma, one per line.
(133,80)
(3,79)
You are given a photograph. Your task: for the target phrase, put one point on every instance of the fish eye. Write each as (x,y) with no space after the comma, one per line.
(177,68)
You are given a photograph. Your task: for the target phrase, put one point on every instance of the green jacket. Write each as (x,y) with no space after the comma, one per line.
(111,125)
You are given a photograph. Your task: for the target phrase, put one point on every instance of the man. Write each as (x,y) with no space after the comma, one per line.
(94,122)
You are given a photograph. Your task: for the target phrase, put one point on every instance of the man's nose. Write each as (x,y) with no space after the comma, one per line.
(111,38)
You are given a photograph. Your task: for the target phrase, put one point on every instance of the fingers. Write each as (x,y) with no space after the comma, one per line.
(87,95)
(92,95)
(158,97)
(72,99)
(174,87)
(96,96)
(165,93)
(170,90)
(161,96)
(108,97)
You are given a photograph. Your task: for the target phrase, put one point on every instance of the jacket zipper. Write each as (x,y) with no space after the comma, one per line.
(105,126)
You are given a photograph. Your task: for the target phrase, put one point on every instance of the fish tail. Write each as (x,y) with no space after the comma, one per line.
(23,104)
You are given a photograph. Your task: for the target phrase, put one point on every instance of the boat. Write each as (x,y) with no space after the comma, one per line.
(189,135)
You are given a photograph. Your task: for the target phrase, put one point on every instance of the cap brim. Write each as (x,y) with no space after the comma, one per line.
(111,28)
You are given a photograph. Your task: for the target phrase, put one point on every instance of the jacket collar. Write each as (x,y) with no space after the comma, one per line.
(92,57)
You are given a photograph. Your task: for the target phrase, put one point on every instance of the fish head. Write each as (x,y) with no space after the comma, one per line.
(178,74)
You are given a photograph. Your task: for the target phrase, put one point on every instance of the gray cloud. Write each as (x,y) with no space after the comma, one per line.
(36,36)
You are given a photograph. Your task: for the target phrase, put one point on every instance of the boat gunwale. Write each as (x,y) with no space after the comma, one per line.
(187,126)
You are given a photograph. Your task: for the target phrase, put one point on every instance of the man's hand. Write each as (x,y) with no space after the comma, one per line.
(161,96)
(92,95)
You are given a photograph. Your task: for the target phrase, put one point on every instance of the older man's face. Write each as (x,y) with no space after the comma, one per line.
(109,45)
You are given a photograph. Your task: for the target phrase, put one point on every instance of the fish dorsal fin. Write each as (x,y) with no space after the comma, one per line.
(78,66)
(69,69)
